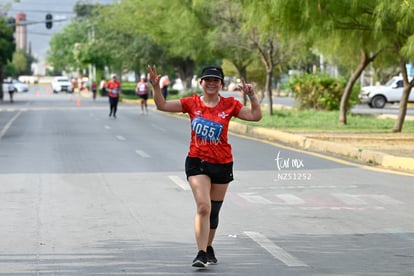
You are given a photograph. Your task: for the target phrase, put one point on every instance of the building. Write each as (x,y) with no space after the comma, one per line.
(21,32)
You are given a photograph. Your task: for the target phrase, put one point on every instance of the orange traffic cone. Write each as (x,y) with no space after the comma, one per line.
(78,103)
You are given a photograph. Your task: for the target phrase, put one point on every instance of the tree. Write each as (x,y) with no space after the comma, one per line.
(394,18)
(226,36)
(62,52)
(114,42)
(338,29)
(350,26)
(274,48)
(22,62)
(352,29)
(7,47)
(176,28)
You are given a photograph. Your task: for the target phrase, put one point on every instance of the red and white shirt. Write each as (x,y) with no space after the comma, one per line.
(114,87)
(209,128)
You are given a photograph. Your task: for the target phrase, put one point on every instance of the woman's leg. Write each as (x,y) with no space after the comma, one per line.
(217,194)
(201,186)
(111,106)
(115,105)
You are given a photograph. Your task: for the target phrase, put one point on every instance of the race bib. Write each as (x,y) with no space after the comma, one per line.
(115,91)
(206,129)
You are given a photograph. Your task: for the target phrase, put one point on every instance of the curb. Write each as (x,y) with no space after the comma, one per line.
(366,156)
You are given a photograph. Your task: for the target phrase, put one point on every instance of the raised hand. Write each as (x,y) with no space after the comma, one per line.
(153,76)
(247,88)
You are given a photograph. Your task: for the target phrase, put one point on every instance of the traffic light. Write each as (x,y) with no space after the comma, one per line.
(49,21)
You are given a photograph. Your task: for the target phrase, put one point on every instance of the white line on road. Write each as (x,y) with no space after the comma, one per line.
(350,199)
(107,127)
(384,199)
(143,154)
(290,199)
(121,138)
(9,123)
(276,251)
(179,182)
(158,127)
(252,198)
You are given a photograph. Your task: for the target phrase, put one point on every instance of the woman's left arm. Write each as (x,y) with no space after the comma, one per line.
(254,113)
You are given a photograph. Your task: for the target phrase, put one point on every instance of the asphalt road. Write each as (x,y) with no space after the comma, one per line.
(85,194)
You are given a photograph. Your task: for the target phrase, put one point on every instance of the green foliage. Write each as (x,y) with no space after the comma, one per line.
(318,91)
(7,45)
(83,8)
(128,90)
(181,36)
(318,120)
(64,53)
(9,70)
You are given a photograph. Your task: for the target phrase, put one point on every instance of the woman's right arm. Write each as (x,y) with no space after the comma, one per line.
(160,102)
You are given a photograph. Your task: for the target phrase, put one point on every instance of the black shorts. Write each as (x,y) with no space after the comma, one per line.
(218,173)
(143,97)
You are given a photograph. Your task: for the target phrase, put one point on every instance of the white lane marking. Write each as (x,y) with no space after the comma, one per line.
(179,182)
(107,127)
(342,208)
(324,208)
(292,187)
(385,199)
(350,199)
(251,197)
(276,251)
(9,123)
(158,127)
(290,199)
(121,138)
(142,153)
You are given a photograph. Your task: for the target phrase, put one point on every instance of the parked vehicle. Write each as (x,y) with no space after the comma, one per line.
(18,86)
(62,84)
(378,95)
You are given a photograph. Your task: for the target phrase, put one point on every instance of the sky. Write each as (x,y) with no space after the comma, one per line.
(37,34)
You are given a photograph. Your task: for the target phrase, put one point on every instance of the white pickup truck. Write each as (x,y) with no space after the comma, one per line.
(378,95)
(61,84)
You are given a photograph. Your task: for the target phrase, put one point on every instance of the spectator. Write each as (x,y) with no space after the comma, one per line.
(164,82)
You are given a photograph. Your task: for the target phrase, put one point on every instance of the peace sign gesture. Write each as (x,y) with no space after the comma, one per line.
(153,75)
(247,88)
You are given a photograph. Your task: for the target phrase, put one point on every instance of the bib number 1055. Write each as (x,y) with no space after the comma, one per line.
(206,129)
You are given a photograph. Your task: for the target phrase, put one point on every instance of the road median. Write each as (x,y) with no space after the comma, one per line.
(367,156)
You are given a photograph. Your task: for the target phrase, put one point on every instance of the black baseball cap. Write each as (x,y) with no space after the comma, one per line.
(212,72)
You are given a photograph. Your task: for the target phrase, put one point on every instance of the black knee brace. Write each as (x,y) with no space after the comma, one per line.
(214,214)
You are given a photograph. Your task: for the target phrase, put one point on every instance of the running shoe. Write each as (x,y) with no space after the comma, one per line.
(211,257)
(200,260)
